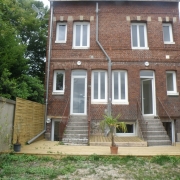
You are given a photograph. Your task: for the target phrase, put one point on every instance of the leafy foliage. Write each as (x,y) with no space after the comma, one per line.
(23,50)
(112,123)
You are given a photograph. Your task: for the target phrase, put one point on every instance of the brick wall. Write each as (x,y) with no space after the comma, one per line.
(115,36)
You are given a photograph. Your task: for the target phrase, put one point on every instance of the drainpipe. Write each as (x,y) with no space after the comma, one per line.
(48,70)
(109,64)
(173,133)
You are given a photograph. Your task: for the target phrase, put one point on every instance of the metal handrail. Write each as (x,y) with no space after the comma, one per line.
(89,118)
(141,122)
(65,117)
(163,109)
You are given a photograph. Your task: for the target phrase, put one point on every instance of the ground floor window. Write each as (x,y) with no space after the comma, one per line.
(130,130)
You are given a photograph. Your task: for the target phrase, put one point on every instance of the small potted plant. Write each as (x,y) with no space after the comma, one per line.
(17,145)
(112,123)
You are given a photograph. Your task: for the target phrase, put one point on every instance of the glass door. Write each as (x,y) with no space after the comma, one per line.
(78,93)
(147,96)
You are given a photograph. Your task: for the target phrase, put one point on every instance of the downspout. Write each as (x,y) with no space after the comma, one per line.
(109,64)
(48,70)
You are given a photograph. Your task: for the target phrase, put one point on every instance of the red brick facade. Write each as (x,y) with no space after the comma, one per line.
(115,20)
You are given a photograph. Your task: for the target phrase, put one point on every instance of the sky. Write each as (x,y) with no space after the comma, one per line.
(46,2)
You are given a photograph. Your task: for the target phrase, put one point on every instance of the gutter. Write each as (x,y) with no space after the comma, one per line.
(109,64)
(48,70)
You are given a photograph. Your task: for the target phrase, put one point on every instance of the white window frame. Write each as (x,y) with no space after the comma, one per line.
(120,100)
(88,35)
(57,33)
(128,134)
(170,33)
(58,92)
(98,101)
(174,92)
(145,36)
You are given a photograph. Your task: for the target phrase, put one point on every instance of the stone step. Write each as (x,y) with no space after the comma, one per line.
(80,136)
(78,118)
(82,131)
(75,141)
(68,128)
(159,142)
(154,133)
(157,138)
(159,128)
(77,124)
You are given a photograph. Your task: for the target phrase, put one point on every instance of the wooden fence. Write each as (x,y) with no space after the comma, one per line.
(28,121)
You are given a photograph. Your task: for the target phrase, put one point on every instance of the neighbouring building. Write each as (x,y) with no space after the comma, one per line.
(113,57)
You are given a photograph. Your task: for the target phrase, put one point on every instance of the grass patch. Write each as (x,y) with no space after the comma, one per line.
(23,167)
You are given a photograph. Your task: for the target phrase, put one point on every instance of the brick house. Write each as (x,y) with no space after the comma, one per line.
(115,57)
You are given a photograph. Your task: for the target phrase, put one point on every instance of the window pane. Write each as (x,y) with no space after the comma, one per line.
(79,73)
(146,73)
(78,35)
(129,127)
(61,34)
(170,82)
(84,35)
(102,89)
(166,33)
(116,90)
(122,85)
(141,36)
(95,85)
(134,35)
(59,81)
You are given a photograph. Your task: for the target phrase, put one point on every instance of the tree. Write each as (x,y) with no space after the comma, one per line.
(22,49)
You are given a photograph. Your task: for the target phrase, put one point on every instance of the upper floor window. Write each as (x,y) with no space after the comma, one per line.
(81,35)
(58,82)
(61,33)
(99,86)
(119,87)
(171,83)
(167,33)
(139,36)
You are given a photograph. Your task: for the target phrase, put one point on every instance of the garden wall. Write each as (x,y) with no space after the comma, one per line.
(7,108)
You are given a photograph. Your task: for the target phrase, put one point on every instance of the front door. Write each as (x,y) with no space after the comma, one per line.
(148,93)
(78,92)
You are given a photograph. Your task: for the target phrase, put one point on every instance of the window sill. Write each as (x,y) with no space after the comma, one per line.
(57,93)
(126,103)
(136,48)
(125,134)
(173,93)
(169,42)
(81,47)
(60,41)
(98,102)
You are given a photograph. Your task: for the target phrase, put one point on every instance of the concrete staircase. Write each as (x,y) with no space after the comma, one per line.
(155,132)
(76,132)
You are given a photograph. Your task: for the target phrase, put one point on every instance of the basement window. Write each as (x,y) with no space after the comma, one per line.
(130,130)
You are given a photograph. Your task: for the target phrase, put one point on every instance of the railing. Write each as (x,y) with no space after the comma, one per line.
(141,123)
(64,119)
(89,118)
(165,114)
(163,111)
